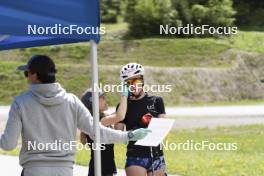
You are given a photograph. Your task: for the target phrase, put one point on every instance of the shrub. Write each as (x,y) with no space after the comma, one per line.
(249,13)
(199,14)
(183,9)
(148,15)
(145,16)
(110,9)
(214,13)
(220,13)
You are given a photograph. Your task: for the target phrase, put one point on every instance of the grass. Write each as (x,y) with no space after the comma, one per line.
(247,160)
(75,78)
(251,41)
(74,74)
(177,52)
(149,52)
(165,52)
(11,82)
(114,51)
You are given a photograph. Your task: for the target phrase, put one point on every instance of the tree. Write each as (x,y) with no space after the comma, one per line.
(249,12)
(110,9)
(221,12)
(130,9)
(147,16)
(213,13)
(183,9)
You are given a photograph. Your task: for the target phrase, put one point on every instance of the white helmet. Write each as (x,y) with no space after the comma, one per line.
(130,70)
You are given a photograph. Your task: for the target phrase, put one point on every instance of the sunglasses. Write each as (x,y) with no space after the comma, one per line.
(136,81)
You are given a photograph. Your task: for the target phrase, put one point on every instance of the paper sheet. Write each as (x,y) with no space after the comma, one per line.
(160,128)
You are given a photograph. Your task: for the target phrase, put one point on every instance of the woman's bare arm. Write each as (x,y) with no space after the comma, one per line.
(122,109)
(118,116)
(83,138)
(120,126)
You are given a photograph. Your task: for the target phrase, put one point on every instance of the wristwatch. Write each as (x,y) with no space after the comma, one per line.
(130,134)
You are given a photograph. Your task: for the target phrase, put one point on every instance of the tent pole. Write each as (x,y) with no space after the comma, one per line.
(95,85)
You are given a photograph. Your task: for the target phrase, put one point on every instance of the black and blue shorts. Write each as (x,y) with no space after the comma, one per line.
(157,164)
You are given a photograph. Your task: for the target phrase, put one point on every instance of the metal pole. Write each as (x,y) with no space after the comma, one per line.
(94,66)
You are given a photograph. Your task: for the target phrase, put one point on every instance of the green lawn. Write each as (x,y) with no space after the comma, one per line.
(161,52)
(247,160)
(251,41)
(114,51)
(148,52)
(76,78)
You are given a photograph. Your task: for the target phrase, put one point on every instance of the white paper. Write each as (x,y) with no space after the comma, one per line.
(160,128)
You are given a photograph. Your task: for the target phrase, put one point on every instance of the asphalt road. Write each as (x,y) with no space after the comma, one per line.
(198,117)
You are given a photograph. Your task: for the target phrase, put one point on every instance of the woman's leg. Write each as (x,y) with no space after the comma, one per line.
(157,167)
(136,171)
(157,173)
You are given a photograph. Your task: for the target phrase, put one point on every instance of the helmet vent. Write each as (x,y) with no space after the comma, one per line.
(137,72)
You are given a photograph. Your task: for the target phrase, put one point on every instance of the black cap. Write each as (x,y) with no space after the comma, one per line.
(87,96)
(40,64)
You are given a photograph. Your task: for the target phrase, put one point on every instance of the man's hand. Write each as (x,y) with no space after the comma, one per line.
(138,134)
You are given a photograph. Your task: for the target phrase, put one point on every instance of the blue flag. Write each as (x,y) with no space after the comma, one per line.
(29,23)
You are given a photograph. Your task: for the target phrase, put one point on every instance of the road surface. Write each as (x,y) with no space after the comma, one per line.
(198,117)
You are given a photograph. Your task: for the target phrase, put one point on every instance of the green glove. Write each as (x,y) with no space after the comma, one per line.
(125,91)
(138,134)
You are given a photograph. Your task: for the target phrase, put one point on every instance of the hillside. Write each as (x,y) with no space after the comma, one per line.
(239,82)
(199,70)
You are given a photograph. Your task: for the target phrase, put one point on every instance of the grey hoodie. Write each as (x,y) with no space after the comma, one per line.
(46,114)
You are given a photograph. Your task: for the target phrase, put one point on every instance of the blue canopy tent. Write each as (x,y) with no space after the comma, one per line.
(13,42)
(16,16)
